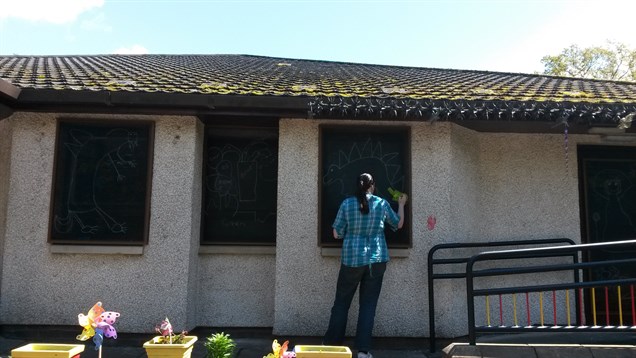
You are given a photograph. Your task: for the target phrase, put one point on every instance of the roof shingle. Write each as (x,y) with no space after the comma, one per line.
(255,75)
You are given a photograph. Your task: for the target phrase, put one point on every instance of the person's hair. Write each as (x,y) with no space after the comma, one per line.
(364,182)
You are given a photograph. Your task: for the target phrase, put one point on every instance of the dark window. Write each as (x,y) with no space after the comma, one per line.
(240,179)
(349,151)
(607,191)
(101,188)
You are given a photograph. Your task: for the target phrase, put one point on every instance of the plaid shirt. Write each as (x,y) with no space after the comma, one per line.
(363,234)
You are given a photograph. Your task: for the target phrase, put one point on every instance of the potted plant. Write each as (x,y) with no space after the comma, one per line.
(220,345)
(97,324)
(169,344)
(48,350)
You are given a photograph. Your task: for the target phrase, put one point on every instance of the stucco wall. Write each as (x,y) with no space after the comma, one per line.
(5,165)
(465,184)
(528,189)
(305,280)
(478,186)
(40,287)
(303,276)
(236,290)
(509,187)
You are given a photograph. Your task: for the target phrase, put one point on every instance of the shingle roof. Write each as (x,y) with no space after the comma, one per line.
(319,89)
(255,75)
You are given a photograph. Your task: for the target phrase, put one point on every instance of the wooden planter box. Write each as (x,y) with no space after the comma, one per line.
(48,350)
(322,352)
(160,350)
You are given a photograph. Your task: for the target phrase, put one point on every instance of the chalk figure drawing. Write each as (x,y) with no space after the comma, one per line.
(365,157)
(614,220)
(83,208)
(613,187)
(235,177)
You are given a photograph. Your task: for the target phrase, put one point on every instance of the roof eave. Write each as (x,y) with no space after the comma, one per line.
(8,97)
(159,103)
(487,116)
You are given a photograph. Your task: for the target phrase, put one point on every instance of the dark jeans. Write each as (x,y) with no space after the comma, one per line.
(370,279)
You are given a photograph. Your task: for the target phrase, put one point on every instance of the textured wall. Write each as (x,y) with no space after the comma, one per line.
(465,184)
(5,168)
(305,280)
(478,186)
(236,290)
(528,190)
(512,187)
(462,185)
(143,288)
(303,276)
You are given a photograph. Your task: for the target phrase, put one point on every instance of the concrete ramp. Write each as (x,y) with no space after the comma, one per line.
(510,350)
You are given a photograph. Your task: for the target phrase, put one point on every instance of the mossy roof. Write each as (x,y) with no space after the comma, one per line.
(268,76)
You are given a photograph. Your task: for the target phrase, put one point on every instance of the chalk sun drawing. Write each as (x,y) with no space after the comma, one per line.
(365,157)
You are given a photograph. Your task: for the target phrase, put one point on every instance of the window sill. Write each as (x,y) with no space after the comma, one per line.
(335,252)
(96,250)
(236,250)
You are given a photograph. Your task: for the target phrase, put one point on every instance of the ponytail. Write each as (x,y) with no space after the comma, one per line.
(363,184)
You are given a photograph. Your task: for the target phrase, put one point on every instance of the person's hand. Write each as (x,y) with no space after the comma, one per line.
(403,199)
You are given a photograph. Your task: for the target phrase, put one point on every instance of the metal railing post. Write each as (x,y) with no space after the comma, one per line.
(431,301)
(470,303)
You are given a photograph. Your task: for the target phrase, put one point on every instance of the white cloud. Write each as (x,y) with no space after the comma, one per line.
(132,50)
(96,23)
(54,11)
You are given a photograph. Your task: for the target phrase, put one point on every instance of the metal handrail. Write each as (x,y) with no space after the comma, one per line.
(432,276)
(573,250)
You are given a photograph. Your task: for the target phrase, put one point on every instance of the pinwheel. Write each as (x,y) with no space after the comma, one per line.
(165,329)
(98,323)
(280,351)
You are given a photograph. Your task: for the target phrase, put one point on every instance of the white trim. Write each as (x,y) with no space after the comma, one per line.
(96,250)
(237,250)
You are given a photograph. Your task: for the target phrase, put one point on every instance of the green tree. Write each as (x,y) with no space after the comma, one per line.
(614,61)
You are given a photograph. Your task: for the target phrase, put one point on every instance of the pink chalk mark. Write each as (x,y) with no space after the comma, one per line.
(430,223)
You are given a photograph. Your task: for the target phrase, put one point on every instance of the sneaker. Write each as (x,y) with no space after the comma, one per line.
(364,355)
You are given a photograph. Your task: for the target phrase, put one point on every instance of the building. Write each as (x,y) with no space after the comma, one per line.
(203,187)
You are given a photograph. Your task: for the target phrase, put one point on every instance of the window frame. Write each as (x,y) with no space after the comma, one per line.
(59,160)
(406,241)
(229,130)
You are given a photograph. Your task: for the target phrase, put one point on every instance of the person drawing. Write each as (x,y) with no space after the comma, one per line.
(360,223)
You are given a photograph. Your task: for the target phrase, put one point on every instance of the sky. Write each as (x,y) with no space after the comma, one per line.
(490,35)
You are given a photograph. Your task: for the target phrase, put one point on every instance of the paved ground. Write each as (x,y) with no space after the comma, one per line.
(246,348)
(252,343)
(548,345)
(491,350)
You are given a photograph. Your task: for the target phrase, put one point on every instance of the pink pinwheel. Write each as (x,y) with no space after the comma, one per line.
(97,324)
(165,328)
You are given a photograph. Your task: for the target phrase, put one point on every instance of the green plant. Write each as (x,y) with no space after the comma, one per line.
(220,345)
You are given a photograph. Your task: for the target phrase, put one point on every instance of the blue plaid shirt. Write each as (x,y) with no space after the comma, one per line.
(363,234)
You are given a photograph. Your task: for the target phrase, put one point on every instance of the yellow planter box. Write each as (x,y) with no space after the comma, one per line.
(160,350)
(48,350)
(322,352)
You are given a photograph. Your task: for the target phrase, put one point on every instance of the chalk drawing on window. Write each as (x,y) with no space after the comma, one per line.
(364,157)
(235,177)
(615,219)
(97,162)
